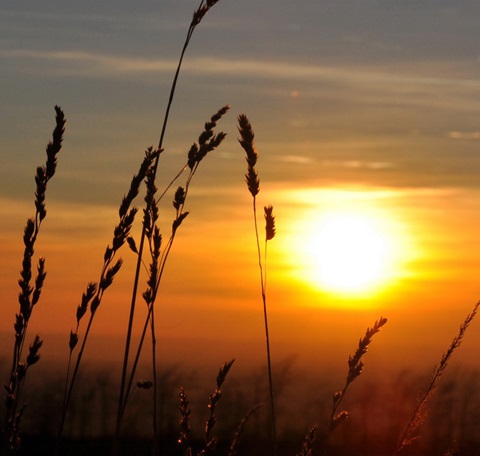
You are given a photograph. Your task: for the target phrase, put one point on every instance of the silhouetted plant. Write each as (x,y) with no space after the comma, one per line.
(253,183)
(158,249)
(111,265)
(29,296)
(207,143)
(410,433)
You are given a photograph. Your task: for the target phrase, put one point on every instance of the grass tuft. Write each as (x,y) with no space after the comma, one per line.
(411,432)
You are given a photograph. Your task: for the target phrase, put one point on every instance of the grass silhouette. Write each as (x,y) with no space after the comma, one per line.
(153,250)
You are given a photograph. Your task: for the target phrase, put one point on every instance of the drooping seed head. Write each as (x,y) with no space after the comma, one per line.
(222,373)
(179,198)
(54,147)
(269,223)
(246,139)
(72,343)
(178,221)
(34,348)
(144,384)
(338,419)
(252,180)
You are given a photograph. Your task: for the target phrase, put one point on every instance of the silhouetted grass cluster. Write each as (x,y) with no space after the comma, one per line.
(153,249)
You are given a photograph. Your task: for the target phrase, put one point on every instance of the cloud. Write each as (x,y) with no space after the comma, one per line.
(464,134)
(96,64)
(374,165)
(299,159)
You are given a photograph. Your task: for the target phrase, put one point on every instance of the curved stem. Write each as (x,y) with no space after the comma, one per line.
(128,386)
(123,394)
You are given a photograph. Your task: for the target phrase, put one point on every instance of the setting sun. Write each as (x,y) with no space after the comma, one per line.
(350,243)
(350,253)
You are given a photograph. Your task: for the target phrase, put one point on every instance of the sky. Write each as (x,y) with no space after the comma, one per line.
(367,109)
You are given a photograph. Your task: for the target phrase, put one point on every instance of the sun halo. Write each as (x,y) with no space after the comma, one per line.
(351,251)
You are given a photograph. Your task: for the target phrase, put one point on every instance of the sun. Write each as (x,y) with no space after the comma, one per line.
(350,253)
(351,244)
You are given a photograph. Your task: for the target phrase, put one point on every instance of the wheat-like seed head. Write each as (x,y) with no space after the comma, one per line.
(39,281)
(269,223)
(55,145)
(241,426)
(179,198)
(185,428)
(207,141)
(410,433)
(144,384)
(33,350)
(246,140)
(355,362)
(308,442)
(201,11)
(73,341)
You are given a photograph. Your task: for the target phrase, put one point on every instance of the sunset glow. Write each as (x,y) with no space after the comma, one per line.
(349,244)
(350,253)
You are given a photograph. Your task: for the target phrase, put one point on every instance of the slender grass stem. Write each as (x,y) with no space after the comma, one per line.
(29,295)
(267,336)
(155,384)
(68,395)
(410,433)
(138,352)
(123,393)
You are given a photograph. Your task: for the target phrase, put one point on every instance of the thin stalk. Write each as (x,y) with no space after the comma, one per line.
(68,395)
(18,346)
(129,385)
(155,392)
(202,9)
(150,314)
(123,395)
(267,336)
(29,293)
(163,261)
(410,433)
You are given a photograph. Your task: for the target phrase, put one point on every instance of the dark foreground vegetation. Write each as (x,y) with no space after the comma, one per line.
(379,409)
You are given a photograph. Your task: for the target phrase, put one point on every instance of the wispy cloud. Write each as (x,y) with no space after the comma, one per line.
(95,65)
(464,135)
(374,165)
(88,63)
(355,164)
(299,159)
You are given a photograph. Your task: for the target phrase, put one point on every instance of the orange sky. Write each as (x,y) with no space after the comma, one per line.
(346,116)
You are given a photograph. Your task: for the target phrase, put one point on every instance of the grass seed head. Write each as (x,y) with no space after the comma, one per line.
(55,145)
(253,182)
(338,420)
(247,139)
(178,221)
(73,340)
(269,223)
(34,348)
(179,198)
(144,384)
